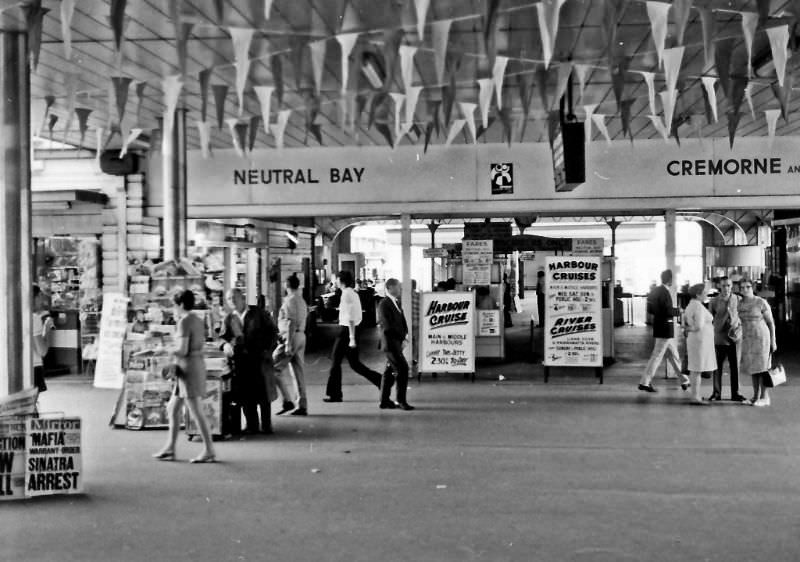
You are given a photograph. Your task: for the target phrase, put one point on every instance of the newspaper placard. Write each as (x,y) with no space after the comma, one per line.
(488,322)
(477,258)
(12,458)
(573,312)
(211,405)
(19,403)
(447,335)
(53,457)
(113,324)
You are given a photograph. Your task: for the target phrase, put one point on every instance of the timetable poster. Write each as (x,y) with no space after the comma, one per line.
(573,312)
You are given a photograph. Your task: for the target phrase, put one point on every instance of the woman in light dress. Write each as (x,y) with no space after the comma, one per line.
(698,323)
(758,340)
(191,384)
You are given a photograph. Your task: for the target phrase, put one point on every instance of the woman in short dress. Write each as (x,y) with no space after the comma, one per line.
(698,323)
(191,385)
(758,340)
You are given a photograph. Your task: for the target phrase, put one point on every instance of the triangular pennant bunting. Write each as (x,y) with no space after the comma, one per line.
(407,53)
(548,14)
(346,41)
(264,95)
(708,22)
(779,45)
(220,92)
(279,127)
(132,136)
(172,90)
(588,110)
(121,86)
(204,131)
(422,12)
(658,12)
(440,31)
(455,128)
(486,89)
(67,11)
(733,124)
(582,72)
(649,79)
(317,61)
(771,116)
(599,121)
(34,14)
(681,10)
(238,144)
(498,75)
(205,83)
(468,112)
(658,124)
(749,25)
(711,97)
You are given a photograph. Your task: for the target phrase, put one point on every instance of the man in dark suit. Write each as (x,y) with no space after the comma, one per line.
(394,332)
(662,312)
(250,335)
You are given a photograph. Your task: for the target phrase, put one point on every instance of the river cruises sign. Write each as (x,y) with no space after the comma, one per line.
(447,332)
(573,312)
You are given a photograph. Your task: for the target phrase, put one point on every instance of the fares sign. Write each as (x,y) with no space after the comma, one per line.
(477,256)
(447,333)
(573,312)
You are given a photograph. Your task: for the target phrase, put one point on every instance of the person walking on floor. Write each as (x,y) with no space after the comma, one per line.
(394,333)
(42,335)
(758,340)
(190,380)
(660,308)
(727,333)
(698,323)
(346,344)
(250,336)
(540,296)
(292,329)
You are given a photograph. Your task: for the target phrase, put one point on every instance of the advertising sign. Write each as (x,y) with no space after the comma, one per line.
(12,458)
(447,333)
(587,246)
(488,322)
(435,252)
(113,324)
(53,451)
(211,404)
(502,178)
(477,257)
(573,312)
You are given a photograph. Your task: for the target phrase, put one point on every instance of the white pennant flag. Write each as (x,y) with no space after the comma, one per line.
(132,136)
(659,126)
(772,122)
(279,127)
(67,11)
(267,8)
(749,25)
(779,45)
(398,100)
(99,136)
(455,128)
(204,130)
(404,130)
(498,75)
(599,120)
(548,13)
(588,110)
(468,111)
(486,87)
(347,41)
(232,122)
(241,38)
(672,66)
(172,91)
(264,95)
(582,71)
(407,53)
(564,72)
(748,95)
(422,12)
(441,34)
(658,13)
(708,84)
(412,97)
(649,78)
(668,99)
(317,61)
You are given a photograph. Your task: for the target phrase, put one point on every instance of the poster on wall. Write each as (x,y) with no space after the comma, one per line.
(488,322)
(12,458)
(447,332)
(573,312)
(53,457)
(113,324)
(211,404)
(477,257)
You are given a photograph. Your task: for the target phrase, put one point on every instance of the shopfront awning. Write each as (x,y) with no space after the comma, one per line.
(67,212)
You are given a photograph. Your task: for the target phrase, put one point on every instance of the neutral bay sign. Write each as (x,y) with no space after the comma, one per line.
(377,179)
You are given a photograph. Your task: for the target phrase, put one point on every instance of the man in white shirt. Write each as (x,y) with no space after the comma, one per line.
(42,331)
(346,344)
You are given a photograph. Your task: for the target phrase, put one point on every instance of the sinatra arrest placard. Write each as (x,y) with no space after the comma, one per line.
(573,312)
(53,457)
(447,333)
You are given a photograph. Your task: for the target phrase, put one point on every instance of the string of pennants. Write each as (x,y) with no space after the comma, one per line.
(394,114)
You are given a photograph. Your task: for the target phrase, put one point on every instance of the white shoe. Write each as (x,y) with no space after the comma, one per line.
(760,403)
(766,401)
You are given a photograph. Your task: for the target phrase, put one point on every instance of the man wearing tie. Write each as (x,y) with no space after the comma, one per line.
(394,332)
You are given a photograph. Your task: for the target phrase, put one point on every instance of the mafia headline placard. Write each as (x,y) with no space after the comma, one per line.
(573,312)
(447,332)
(53,457)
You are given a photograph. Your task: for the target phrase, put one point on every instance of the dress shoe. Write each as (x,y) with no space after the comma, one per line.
(714,397)
(759,403)
(299,412)
(647,388)
(331,399)
(405,406)
(738,398)
(164,455)
(695,402)
(388,406)
(204,459)
(287,407)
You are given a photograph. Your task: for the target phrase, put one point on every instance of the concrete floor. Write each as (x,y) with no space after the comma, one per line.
(495,470)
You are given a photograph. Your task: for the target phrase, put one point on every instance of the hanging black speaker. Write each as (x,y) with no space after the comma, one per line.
(112,164)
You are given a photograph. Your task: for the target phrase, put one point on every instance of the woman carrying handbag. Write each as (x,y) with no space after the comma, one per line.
(758,341)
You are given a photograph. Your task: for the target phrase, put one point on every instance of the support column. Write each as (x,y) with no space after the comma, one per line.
(432,226)
(173,165)
(405,241)
(613,224)
(669,235)
(15,211)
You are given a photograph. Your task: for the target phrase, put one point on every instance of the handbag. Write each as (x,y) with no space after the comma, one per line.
(280,359)
(775,376)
